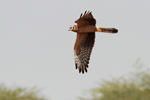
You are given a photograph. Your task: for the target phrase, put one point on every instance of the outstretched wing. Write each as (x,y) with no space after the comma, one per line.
(86,19)
(82,50)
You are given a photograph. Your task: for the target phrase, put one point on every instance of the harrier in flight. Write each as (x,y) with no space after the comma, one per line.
(86,29)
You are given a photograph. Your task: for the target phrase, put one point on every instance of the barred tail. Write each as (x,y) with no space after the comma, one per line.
(107,30)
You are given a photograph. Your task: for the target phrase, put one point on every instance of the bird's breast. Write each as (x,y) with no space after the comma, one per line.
(87,28)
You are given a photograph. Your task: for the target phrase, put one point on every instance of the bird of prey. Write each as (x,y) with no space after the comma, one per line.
(85,30)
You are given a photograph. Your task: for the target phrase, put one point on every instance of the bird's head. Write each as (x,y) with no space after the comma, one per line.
(73,28)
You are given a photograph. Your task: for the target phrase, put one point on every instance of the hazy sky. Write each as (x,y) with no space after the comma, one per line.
(36,48)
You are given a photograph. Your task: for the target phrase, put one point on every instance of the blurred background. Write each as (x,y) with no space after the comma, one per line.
(36,48)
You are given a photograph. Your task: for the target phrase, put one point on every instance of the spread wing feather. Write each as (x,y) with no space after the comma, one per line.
(82,50)
(86,19)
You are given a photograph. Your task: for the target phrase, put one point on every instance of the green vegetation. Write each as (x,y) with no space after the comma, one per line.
(19,94)
(134,86)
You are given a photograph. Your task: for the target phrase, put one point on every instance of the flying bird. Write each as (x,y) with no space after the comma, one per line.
(85,30)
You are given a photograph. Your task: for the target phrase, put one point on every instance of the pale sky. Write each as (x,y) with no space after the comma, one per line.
(36,48)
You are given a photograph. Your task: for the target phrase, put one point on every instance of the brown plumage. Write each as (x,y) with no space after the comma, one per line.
(86,29)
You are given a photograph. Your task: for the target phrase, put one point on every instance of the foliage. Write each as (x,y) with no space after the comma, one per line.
(18,93)
(135,87)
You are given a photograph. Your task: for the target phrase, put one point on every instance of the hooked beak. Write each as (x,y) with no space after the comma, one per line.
(69,29)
